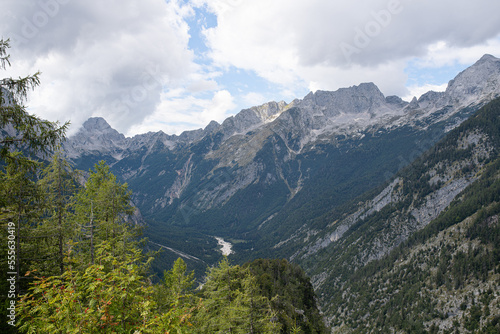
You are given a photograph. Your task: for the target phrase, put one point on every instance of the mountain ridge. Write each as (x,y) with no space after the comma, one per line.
(448,262)
(300,180)
(320,117)
(323,109)
(231,149)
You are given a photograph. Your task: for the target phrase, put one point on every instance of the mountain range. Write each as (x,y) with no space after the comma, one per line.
(336,182)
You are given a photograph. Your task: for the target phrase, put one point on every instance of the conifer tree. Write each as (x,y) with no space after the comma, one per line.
(20,199)
(32,133)
(19,195)
(231,303)
(101,208)
(256,313)
(175,290)
(58,183)
(110,296)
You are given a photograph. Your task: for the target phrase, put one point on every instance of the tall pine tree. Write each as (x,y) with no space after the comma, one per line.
(232,304)
(58,183)
(100,213)
(19,130)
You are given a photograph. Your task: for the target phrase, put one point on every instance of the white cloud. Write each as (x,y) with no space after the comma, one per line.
(98,58)
(442,54)
(131,61)
(180,111)
(254,99)
(331,44)
(202,85)
(218,108)
(417,91)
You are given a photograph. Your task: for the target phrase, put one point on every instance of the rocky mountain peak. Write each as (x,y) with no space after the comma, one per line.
(212,127)
(414,103)
(251,118)
(396,101)
(486,58)
(318,114)
(98,123)
(482,78)
(367,90)
(268,111)
(94,135)
(352,100)
(98,127)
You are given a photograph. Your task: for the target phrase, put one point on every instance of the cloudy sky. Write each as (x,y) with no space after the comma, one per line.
(175,65)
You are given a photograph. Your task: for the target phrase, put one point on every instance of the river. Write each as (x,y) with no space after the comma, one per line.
(226,247)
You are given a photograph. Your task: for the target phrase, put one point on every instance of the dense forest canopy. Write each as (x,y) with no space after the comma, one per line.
(80,263)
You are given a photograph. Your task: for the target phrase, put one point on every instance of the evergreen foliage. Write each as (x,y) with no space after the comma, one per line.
(100,210)
(444,278)
(176,289)
(32,133)
(102,284)
(58,185)
(110,296)
(291,294)
(232,303)
(21,199)
(87,271)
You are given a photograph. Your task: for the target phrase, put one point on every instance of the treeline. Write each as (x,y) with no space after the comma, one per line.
(86,271)
(79,261)
(449,284)
(443,278)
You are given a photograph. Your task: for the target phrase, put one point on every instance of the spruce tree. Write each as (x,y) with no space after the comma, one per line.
(21,203)
(100,213)
(176,288)
(31,133)
(19,195)
(58,183)
(232,304)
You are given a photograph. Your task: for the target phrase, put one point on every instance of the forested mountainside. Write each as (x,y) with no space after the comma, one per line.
(75,263)
(332,182)
(390,207)
(424,253)
(270,171)
(445,284)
